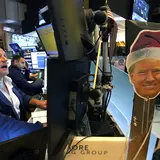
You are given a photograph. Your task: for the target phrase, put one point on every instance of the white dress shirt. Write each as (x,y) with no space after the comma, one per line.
(11,96)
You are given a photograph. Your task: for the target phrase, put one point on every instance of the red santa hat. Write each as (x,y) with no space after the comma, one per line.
(145,46)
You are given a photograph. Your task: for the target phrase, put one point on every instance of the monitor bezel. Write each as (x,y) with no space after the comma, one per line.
(36,29)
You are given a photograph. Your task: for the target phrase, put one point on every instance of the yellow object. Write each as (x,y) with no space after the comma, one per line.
(97,65)
(48,39)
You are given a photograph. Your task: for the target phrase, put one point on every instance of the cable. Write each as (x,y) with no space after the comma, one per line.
(109,97)
(136,155)
(73,147)
(98,66)
(107,100)
(94,46)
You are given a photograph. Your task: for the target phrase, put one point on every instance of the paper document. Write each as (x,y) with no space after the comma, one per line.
(40,116)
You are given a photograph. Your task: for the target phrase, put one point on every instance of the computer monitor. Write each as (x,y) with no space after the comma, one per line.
(140,10)
(132,28)
(38,60)
(69,27)
(46,36)
(15,47)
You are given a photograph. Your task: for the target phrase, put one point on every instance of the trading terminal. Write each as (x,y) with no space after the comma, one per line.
(90,100)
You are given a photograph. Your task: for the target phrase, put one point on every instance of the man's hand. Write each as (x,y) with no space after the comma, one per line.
(33,76)
(44,125)
(26,65)
(42,104)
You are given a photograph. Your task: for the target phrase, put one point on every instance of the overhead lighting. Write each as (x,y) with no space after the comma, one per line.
(44,9)
(9,21)
(8,29)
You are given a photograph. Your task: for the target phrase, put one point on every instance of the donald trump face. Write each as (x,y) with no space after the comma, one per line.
(145,77)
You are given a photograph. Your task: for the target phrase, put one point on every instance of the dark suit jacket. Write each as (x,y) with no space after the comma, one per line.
(21,82)
(7,108)
(10,124)
(11,128)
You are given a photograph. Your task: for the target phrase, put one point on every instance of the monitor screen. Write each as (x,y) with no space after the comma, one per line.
(46,35)
(70,27)
(38,60)
(15,47)
(140,10)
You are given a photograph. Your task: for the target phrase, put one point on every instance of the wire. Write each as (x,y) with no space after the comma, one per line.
(94,46)
(109,97)
(98,66)
(73,147)
(136,155)
(107,100)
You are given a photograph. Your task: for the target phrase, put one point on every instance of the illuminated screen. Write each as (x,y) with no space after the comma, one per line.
(46,35)
(140,10)
(15,47)
(38,60)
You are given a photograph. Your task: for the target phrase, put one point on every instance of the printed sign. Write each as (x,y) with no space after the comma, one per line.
(98,148)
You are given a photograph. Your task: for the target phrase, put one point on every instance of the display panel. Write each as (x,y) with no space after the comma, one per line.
(46,35)
(38,60)
(140,10)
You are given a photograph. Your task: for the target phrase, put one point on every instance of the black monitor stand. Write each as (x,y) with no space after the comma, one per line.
(60,77)
(31,146)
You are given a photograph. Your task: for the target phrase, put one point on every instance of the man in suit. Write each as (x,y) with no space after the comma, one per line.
(11,128)
(18,63)
(13,102)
